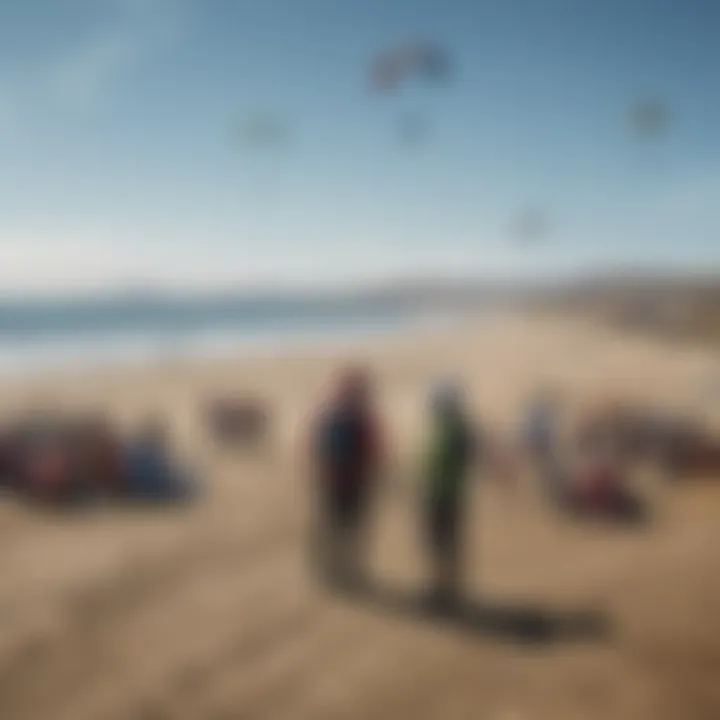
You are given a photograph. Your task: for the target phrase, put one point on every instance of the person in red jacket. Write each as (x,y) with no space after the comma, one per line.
(346,448)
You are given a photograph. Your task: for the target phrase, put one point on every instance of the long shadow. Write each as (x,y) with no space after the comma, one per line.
(531,624)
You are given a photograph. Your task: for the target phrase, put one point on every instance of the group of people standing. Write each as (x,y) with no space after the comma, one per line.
(586,478)
(350,454)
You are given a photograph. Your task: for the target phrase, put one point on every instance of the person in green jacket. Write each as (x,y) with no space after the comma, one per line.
(451,451)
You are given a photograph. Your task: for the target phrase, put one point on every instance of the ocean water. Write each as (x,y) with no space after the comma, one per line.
(92,331)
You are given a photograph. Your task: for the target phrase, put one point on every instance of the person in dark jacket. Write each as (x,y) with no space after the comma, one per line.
(149,471)
(346,454)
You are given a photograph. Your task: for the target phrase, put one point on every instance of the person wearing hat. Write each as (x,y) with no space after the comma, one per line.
(452,448)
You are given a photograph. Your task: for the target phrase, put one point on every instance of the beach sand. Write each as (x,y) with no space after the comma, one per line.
(210,612)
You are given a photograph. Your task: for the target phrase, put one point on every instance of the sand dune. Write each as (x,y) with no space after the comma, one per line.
(210,612)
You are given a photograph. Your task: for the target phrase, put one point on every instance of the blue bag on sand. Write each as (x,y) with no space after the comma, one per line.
(151,476)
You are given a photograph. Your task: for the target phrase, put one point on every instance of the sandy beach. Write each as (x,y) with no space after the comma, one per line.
(209,613)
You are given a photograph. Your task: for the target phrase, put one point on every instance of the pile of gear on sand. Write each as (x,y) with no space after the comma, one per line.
(590,475)
(58,460)
(237,422)
(681,445)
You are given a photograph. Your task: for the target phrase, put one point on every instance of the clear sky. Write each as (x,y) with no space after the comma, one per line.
(123,158)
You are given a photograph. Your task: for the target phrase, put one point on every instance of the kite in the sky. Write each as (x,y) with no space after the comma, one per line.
(261,130)
(530,227)
(398,65)
(650,118)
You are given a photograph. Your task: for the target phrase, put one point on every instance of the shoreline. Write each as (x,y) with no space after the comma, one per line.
(242,347)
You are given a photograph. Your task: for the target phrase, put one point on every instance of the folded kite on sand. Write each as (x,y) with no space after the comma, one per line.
(237,421)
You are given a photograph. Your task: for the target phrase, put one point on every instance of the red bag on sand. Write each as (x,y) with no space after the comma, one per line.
(596,488)
(48,474)
(602,488)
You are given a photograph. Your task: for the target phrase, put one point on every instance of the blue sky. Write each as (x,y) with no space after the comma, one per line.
(122,158)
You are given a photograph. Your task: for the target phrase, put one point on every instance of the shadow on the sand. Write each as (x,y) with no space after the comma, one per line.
(519,623)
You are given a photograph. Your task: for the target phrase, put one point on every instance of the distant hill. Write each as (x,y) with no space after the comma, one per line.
(679,307)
